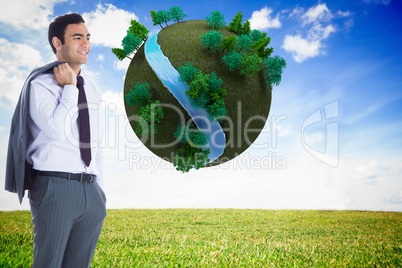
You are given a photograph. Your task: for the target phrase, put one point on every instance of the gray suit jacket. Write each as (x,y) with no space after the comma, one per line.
(18,170)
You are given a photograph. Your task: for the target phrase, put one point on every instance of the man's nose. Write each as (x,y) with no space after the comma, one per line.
(85,43)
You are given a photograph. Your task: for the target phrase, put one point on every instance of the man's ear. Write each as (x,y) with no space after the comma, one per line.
(56,43)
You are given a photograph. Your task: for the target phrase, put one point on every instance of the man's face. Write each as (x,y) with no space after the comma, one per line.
(76,45)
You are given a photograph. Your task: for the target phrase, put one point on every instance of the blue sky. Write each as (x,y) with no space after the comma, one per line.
(332,140)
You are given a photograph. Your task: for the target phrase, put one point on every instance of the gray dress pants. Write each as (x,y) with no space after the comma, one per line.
(67,218)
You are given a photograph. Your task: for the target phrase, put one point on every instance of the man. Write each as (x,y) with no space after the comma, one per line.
(62,165)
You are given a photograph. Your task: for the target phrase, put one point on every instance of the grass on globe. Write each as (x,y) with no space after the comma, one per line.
(247,97)
(227,238)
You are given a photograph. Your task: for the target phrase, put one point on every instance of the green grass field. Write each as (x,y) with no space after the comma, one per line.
(227,238)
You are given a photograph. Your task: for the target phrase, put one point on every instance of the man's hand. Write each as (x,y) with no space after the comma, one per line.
(65,75)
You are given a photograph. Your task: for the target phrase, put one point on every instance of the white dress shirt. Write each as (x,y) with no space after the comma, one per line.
(54,127)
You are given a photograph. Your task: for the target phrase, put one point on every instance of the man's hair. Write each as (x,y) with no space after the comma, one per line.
(58,27)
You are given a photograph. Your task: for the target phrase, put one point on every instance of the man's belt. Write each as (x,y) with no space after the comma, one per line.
(81,177)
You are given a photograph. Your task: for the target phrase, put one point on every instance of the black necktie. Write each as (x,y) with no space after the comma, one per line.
(83,122)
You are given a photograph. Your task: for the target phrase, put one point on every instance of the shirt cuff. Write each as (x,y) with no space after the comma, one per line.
(69,98)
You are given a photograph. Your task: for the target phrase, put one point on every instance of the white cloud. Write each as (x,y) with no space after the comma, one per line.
(17,61)
(108,25)
(348,24)
(317,32)
(114,101)
(317,13)
(369,172)
(343,14)
(261,20)
(122,65)
(373,171)
(395,199)
(284,130)
(28,14)
(296,11)
(301,48)
(100,57)
(19,55)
